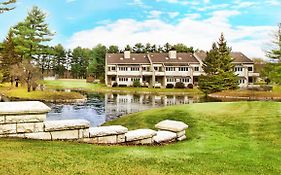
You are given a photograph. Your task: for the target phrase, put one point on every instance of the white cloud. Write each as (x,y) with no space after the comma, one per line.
(191,31)
(173,14)
(155,14)
(273,2)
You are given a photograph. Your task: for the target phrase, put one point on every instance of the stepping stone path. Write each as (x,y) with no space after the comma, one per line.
(140,136)
(173,126)
(27,120)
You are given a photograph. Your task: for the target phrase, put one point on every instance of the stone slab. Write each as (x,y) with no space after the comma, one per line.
(33,118)
(23,107)
(107,130)
(8,129)
(89,140)
(65,135)
(14,136)
(39,136)
(29,127)
(121,138)
(147,141)
(139,134)
(181,138)
(165,136)
(171,125)
(60,125)
(107,139)
(83,133)
(181,133)
(2,119)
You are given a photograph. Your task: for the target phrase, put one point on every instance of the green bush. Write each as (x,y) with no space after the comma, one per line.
(137,83)
(180,85)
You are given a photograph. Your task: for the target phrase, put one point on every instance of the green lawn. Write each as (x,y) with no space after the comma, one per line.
(82,85)
(223,138)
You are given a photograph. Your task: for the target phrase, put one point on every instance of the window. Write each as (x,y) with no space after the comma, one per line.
(250,69)
(242,81)
(184,80)
(183,69)
(156,68)
(170,69)
(196,69)
(144,68)
(135,79)
(238,69)
(123,79)
(135,69)
(123,68)
(113,68)
(171,80)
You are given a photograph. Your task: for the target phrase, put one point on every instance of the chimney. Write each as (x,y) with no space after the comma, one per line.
(173,54)
(127,54)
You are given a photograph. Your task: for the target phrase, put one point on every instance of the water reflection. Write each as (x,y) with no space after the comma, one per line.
(100,108)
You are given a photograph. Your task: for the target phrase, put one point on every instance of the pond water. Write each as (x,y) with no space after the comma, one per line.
(100,108)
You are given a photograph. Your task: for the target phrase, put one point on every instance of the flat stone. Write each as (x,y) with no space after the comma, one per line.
(107,139)
(181,138)
(165,136)
(33,118)
(24,107)
(121,138)
(2,119)
(8,129)
(181,133)
(15,136)
(83,133)
(107,130)
(139,134)
(39,136)
(89,140)
(147,141)
(29,127)
(171,125)
(65,135)
(60,125)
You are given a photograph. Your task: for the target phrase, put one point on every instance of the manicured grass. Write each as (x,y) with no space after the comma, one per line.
(82,85)
(275,94)
(223,138)
(47,95)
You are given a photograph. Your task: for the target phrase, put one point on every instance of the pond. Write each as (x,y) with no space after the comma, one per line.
(100,108)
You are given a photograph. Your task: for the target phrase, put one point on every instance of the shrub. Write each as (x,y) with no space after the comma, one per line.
(190,86)
(137,83)
(115,84)
(180,85)
(170,86)
(90,79)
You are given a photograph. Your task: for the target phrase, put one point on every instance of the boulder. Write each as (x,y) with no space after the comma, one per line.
(28,107)
(171,125)
(139,134)
(107,130)
(60,125)
(164,136)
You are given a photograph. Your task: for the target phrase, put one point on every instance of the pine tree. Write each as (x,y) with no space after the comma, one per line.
(6,5)
(59,60)
(219,69)
(275,52)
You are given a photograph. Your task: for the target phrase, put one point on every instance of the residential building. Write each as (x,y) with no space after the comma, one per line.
(161,69)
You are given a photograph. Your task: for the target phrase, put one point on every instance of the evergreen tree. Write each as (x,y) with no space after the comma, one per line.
(6,5)
(275,52)
(9,56)
(32,34)
(219,69)
(59,60)
(139,48)
(167,47)
(113,49)
(183,48)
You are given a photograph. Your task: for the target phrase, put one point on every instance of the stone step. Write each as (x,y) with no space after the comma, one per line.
(61,125)
(25,107)
(139,134)
(107,130)
(165,137)
(171,125)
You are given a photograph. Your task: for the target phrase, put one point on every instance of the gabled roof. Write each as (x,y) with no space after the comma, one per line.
(238,57)
(134,59)
(181,58)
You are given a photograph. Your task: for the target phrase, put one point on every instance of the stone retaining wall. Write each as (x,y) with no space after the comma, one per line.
(27,120)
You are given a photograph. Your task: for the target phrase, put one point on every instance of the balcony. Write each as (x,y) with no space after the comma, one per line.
(254,74)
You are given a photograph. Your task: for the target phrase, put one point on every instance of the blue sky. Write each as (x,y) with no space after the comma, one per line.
(246,24)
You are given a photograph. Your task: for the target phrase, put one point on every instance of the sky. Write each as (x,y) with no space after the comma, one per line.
(247,25)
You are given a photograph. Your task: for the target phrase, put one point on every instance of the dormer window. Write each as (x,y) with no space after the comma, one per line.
(196,69)
(250,69)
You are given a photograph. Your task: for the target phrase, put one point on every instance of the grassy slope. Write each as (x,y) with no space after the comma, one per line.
(82,85)
(223,138)
(21,93)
